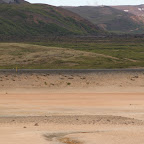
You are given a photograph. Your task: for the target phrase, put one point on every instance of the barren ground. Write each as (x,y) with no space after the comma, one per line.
(93,108)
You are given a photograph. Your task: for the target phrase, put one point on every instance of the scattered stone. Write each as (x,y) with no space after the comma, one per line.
(62,78)
(70,78)
(83,78)
(36,124)
(108,120)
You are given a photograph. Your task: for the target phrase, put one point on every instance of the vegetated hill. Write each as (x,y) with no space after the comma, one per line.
(42,20)
(13,1)
(110,18)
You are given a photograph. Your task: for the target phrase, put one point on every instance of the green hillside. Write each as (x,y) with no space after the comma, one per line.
(110,19)
(37,19)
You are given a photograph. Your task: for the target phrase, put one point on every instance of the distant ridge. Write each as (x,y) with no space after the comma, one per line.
(119,19)
(137,10)
(13,1)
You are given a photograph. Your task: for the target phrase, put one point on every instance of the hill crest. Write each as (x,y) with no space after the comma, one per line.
(13,1)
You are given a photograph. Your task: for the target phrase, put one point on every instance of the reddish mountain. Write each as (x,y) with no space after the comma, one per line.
(118,19)
(136,10)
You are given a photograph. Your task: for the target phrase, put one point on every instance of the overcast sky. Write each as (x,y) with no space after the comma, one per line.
(88,2)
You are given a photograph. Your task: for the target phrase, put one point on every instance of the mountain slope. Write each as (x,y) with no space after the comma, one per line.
(111,19)
(13,1)
(45,20)
(137,10)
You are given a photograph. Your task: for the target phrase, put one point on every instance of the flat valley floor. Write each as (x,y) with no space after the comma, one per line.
(98,115)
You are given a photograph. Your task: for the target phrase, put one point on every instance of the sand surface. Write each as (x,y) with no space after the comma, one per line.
(105,118)
(101,112)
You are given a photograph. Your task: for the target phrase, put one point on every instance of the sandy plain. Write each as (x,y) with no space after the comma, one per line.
(76,108)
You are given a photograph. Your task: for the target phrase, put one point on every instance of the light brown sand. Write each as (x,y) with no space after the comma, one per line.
(104,112)
(84,117)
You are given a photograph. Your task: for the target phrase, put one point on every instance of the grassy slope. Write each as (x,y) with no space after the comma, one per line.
(111,19)
(130,52)
(37,20)
(82,55)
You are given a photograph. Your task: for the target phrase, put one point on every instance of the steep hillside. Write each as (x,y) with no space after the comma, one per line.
(45,20)
(111,19)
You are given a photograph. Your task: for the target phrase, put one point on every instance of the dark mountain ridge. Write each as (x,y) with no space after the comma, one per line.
(13,1)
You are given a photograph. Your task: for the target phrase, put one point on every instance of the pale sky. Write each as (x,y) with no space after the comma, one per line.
(88,2)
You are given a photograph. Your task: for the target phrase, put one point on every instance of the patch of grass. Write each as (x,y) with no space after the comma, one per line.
(68,83)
